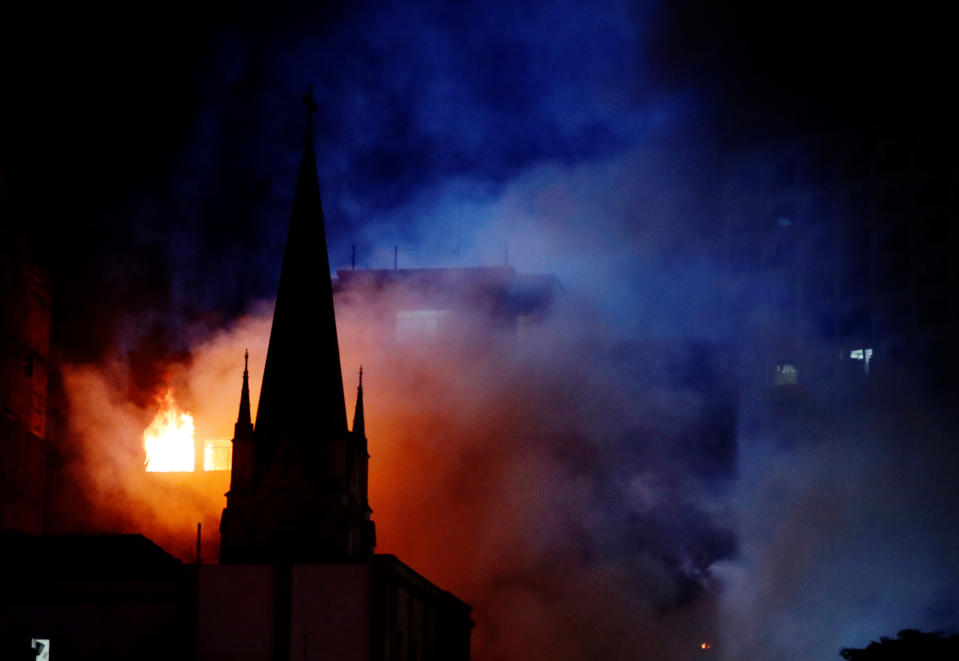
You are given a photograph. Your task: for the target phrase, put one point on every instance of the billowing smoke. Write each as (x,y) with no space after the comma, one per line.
(525,473)
(846,521)
(567,480)
(104,485)
(577,486)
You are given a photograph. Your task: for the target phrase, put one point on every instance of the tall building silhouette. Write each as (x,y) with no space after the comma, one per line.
(837,256)
(24,356)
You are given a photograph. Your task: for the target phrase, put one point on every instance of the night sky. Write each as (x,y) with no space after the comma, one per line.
(163,139)
(152,153)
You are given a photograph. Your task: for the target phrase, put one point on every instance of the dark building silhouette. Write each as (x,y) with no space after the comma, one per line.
(93,597)
(299,486)
(838,256)
(438,303)
(298,579)
(24,356)
(298,569)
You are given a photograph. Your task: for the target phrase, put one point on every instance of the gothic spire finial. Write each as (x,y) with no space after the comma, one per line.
(244,418)
(359,423)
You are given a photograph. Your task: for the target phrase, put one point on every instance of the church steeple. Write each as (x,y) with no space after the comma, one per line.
(300,478)
(302,394)
(359,423)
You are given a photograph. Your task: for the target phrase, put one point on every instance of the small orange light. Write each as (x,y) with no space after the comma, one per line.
(706,646)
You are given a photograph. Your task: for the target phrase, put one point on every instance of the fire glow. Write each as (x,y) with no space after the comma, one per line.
(168,441)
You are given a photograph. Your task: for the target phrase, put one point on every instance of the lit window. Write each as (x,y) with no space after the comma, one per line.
(41,647)
(217,455)
(786,375)
(865,355)
(412,324)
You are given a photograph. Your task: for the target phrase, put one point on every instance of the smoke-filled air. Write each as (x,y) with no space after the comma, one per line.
(626,476)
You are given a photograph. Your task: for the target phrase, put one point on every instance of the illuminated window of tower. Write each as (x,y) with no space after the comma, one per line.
(217,455)
(864,355)
(418,324)
(786,375)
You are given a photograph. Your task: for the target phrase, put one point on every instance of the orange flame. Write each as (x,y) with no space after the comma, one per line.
(168,440)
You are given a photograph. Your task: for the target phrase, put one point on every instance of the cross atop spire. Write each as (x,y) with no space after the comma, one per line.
(310,105)
(246,362)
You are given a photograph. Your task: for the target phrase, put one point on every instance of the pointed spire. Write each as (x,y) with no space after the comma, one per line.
(302,393)
(244,417)
(359,423)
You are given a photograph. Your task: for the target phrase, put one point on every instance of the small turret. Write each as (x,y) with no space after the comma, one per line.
(244,420)
(359,424)
(241,477)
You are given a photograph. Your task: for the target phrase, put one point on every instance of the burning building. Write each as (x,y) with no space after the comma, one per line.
(297,543)
(428,304)
(298,576)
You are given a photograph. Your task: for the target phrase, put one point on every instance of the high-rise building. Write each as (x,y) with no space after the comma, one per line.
(837,250)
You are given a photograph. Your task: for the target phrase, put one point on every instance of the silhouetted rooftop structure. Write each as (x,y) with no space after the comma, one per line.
(424,301)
